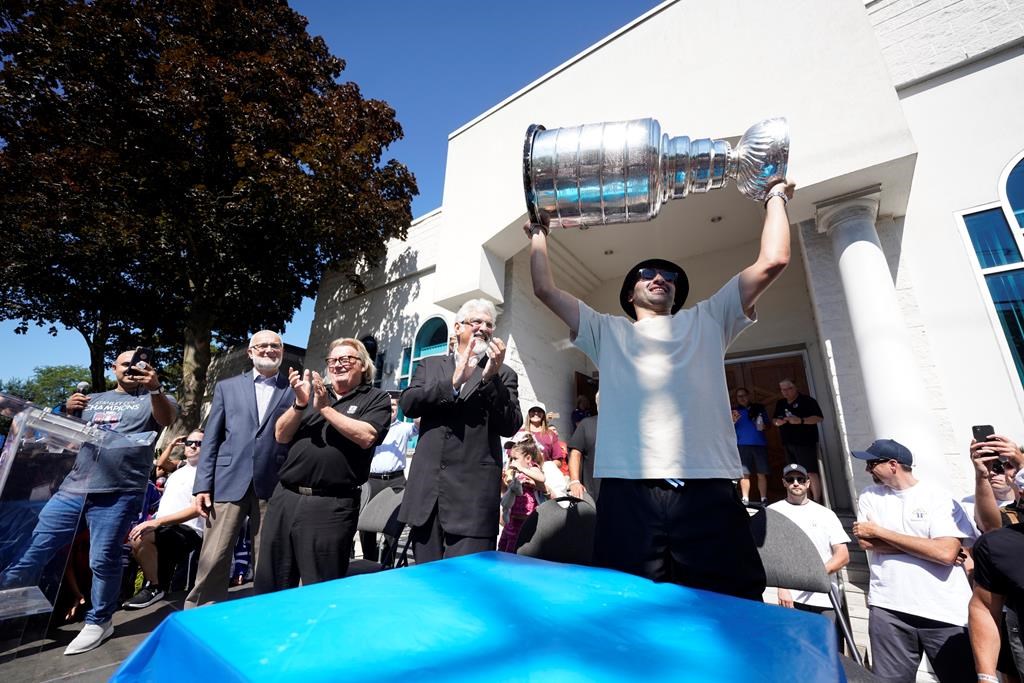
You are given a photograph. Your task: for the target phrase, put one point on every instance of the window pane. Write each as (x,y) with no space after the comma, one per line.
(993,242)
(406,357)
(1015,191)
(1007,291)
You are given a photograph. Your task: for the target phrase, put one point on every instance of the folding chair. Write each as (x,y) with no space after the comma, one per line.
(560,530)
(380,516)
(791,561)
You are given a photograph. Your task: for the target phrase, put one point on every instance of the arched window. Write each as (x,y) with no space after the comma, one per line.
(997,234)
(431,340)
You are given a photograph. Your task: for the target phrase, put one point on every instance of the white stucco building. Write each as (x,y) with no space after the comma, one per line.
(905,125)
(902,308)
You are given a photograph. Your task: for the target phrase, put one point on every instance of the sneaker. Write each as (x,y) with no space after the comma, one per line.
(89,638)
(145,597)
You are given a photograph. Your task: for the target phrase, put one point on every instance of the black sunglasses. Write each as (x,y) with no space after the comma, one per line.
(651,273)
(795,480)
(872,464)
(192,442)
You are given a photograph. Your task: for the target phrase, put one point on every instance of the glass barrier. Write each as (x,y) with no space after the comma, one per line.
(46,466)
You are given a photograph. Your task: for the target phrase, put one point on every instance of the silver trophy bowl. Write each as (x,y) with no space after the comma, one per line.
(623,171)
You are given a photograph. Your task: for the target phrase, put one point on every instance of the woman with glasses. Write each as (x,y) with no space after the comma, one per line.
(333,427)
(536,425)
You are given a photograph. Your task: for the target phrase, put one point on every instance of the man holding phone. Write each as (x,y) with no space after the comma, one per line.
(107,487)
(995,459)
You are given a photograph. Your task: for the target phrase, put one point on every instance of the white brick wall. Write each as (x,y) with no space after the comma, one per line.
(920,37)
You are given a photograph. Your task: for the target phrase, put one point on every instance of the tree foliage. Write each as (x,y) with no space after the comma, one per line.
(50,385)
(182,170)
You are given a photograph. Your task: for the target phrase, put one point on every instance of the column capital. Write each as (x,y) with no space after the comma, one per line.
(862,204)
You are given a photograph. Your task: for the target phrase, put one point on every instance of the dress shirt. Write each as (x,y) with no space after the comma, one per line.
(390,455)
(264,392)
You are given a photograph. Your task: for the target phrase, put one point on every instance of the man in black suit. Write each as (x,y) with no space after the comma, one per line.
(466,402)
(238,465)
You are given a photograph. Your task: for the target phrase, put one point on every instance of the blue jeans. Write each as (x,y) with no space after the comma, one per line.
(108,515)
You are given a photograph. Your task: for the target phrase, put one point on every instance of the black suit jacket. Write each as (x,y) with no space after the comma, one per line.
(458,458)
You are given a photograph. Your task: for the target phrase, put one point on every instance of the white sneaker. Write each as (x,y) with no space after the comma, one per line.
(90,638)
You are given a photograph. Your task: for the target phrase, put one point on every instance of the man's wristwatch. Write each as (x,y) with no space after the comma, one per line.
(295,404)
(158,390)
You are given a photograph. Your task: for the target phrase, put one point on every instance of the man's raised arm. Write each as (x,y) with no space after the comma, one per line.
(561,303)
(774,255)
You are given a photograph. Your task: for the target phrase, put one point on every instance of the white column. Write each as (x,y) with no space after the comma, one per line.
(896,399)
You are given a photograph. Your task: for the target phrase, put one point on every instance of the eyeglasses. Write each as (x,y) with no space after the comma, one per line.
(193,444)
(341,360)
(651,273)
(478,322)
(795,480)
(268,346)
(872,464)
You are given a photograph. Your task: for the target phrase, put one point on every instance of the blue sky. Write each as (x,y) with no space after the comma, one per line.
(439,64)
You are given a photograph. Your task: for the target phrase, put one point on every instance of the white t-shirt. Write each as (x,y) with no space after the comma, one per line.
(825,530)
(665,410)
(904,582)
(178,495)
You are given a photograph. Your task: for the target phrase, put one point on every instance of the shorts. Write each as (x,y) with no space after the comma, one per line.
(754,459)
(803,454)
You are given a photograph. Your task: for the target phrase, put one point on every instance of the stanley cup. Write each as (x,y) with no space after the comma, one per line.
(623,172)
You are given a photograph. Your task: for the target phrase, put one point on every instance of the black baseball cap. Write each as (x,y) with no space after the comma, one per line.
(886,449)
(682,284)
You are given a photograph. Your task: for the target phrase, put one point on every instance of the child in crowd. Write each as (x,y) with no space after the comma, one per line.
(524,474)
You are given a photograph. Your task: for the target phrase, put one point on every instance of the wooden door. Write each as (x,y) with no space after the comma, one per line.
(761,379)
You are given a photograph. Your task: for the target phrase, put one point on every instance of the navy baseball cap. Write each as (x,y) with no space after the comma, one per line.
(886,449)
(793,467)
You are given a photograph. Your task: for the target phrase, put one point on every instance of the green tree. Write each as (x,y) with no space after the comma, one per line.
(180,171)
(50,385)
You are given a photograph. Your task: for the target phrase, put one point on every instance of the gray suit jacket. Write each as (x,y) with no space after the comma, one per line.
(237,448)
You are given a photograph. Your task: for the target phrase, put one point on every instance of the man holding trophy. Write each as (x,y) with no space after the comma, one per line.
(666,448)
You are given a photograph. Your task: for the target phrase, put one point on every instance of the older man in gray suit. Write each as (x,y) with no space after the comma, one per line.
(238,465)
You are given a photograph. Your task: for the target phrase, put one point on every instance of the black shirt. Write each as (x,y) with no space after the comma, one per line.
(584,440)
(320,457)
(802,406)
(997,564)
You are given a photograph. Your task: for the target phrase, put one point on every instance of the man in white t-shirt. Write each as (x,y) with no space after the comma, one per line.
(174,533)
(918,593)
(823,528)
(666,447)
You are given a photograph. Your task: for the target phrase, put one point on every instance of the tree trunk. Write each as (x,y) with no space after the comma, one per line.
(97,361)
(194,364)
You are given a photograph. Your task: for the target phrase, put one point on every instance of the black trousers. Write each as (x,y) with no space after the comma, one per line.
(430,542)
(697,535)
(174,544)
(368,539)
(305,538)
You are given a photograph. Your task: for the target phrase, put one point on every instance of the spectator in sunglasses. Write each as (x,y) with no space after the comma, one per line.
(174,533)
(918,595)
(823,528)
(666,447)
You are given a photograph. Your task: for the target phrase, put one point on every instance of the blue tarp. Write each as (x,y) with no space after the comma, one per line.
(489,617)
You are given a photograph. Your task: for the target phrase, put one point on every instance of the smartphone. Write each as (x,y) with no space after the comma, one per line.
(982,432)
(141,355)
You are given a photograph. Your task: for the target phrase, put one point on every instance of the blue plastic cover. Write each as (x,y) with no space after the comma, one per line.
(489,617)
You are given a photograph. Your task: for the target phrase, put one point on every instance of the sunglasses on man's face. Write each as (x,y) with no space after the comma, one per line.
(193,443)
(650,273)
(795,480)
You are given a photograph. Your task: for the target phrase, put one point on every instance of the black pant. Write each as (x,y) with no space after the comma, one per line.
(305,537)
(174,544)
(430,542)
(368,539)
(697,535)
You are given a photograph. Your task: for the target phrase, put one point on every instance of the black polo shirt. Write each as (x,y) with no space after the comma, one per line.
(320,457)
(997,564)
(802,406)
